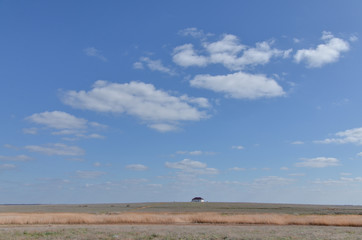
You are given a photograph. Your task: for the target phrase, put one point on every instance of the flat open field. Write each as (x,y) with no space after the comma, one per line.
(180,221)
(173,232)
(179,207)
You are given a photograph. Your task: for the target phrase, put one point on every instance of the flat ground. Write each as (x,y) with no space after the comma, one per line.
(187,232)
(181,231)
(181,207)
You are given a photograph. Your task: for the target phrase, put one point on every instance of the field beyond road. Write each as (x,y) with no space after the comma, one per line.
(187,207)
(180,221)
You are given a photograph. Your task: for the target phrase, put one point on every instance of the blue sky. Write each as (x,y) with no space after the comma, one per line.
(140,101)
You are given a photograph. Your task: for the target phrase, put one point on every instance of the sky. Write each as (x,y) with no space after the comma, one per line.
(151,101)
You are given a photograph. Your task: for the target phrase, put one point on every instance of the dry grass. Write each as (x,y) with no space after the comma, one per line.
(178,218)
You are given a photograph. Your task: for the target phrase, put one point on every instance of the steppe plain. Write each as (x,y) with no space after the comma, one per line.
(180,220)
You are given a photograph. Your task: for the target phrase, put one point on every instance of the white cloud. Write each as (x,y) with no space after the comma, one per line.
(58,120)
(93,52)
(345,174)
(89,174)
(137,167)
(93,136)
(319,162)
(328,52)
(163,127)
(138,65)
(11,147)
(7,166)
(159,109)
(186,163)
(259,55)
(97,125)
(296,174)
(154,65)
(97,164)
(194,32)
(272,180)
(239,85)
(56,149)
(192,167)
(296,40)
(201,102)
(238,147)
(353,38)
(31,131)
(284,168)
(237,169)
(349,136)
(186,56)
(66,124)
(359,154)
(77,135)
(194,153)
(297,143)
(342,180)
(228,52)
(65,132)
(18,158)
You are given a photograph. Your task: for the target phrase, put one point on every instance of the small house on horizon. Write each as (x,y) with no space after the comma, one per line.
(197,199)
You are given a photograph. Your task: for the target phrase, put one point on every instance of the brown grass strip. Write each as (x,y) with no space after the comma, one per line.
(177,218)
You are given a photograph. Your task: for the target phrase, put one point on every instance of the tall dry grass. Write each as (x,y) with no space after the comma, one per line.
(178,218)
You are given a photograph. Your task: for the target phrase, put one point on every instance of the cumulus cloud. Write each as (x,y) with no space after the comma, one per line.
(328,52)
(239,85)
(319,162)
(56,149)
(93,52)
(297,143)
(192,167)
(229,52)
(65,124)
(18,158)
(157,108)
(58,120)
(137,167)
(186,56)
(153,65)
(349,136)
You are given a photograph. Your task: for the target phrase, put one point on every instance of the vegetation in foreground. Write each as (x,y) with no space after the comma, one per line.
(179,221)
(173,232)
(178,218)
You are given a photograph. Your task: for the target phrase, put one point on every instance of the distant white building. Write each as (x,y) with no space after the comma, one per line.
(197,199)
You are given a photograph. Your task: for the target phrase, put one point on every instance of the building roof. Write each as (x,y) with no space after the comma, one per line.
(197,198)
